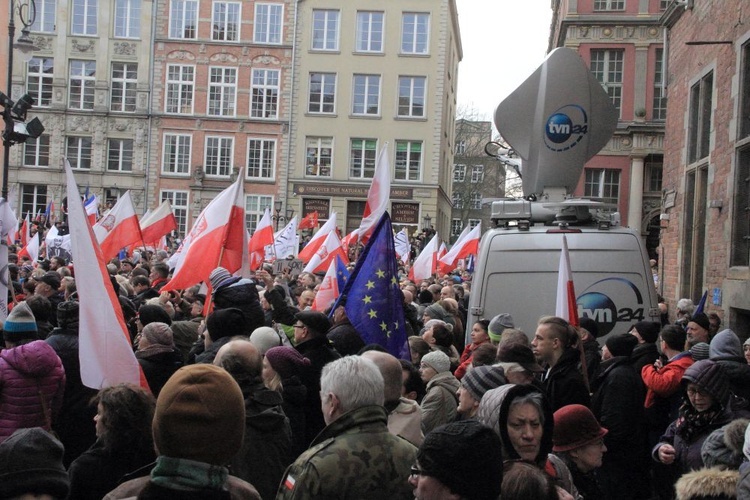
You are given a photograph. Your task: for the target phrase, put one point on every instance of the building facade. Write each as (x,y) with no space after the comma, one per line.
(622,42)
(706,215)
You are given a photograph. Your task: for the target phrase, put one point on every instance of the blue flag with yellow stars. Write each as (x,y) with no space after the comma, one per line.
(342,273)
(373,300)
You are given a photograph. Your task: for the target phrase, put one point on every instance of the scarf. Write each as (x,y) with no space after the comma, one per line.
(692,423)
(152,350)
(183,474)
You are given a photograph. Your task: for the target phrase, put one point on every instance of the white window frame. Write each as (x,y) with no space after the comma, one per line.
(255,206)
(127,19)
(126,86)
(370,39)
(457,225)
(38,194)
(183,19)
(265,158)
(39,79)
(123,159)
(606,65)
(605,5)
(176,154)
(38,149)
(477,174)
(78,151)
(413,89)
(409,166)
(222,91)
(264,93)
(318,149)
(325,87)
(83,17)
(365,90)
(268,27)
(180,89)
(474,223)
(362,160)
(325,30)
(475,201)
(598,182)
(46,13)
(226,21)
(83,98)
(458,200)
(459,173)
(180,202)
(415,33)
(223,146)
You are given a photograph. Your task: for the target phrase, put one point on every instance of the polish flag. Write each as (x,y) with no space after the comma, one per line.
(31,249)
(378,196)
(25,231)
(566,306)
(309,221)
(216,239)
(424,265)
(328,291)
(467,243)
(318,238)
(92,208)
(262,237)
(326,254)
(119,228)
(442,250)
(401,242)
(350,240)
(105,353)
(158,223)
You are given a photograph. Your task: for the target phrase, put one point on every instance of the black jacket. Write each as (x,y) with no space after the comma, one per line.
(345,338)
(564,383)
(644,354)
(320,353)
(158,367)
(280,312)
(294,394)
(243,295)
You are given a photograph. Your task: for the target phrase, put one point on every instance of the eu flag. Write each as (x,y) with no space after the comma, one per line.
(342,273)
(374,302)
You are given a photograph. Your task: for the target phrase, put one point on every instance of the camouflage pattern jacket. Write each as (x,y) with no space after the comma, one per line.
(353,457)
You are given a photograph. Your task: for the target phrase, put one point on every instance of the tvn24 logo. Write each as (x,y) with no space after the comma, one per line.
(565,128)
(597,303)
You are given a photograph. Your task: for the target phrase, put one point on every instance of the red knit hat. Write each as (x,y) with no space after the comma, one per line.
(286,361)
(575,426)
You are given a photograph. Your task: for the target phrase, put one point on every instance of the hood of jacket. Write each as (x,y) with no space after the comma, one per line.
(725,344)
(445,380)
(34,359)
(547,427)
(708,483)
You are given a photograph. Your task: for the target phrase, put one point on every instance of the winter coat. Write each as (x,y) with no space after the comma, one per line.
(743,486)
(465,360)
(209,354)
(726,350)
(663,395)
(319,351)
(405,420)
(592,352)
(708,484)
(75,425)
(643,355)
(158,365)
(243,295)
(294,394)
(142,487)
(280,310)
(32,384)
(354,457)
(440,403)
(345,338)
(267,446)
(564,383)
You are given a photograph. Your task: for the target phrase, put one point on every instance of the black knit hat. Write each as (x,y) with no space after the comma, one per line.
(226,323)
(648,330)
(31,462)
(701,320)
(466,456)
(621,344)
(153,314)
(67,314)
(709,376)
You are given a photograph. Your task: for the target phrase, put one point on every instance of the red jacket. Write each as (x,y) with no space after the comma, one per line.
(665,381)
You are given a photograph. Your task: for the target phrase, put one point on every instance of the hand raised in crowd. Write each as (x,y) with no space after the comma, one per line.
(666,454)
(266,278)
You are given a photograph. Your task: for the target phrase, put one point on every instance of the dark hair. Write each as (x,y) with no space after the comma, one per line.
(560,329)
(484,355)
(674,336)
(161,269)
(40,307)
(484,323)
(139,271)
(419,345)
(372,347)
(139,281)
(127,417)
(524,481)
(413,382)
(443,337)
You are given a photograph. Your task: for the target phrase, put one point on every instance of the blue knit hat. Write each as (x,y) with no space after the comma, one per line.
(20,323)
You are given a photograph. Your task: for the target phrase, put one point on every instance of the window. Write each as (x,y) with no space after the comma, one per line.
(219,154)
(319,156)
(362,157)
(741,222)
(179,202)
(609,4)
(660,100)
(111,196)
(226,21)
(268,19)
(408,160)
(265,94)
(694,232)
(474,223)
(476,201)
(39,80)
(699,128)
(33,199)
(415,31)
(36,152)
(322,93)
(654,165)
(457,225)
(127,18)
(411,95)
(183,19)
(744,115)
(222,91)
(124,84)
(180,85)
(176,159)
(458,200)
(255,205)
(606,65)
(78,151)
(459,173)
(663,4)
(44,22)
(261,158)
(369,32)
(82,81)
(84,17)
(366,95)
(120,155)
(325,30)
(461,147)
(477,174)
(602,183)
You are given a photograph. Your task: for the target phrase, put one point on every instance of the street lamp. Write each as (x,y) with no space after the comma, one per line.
(281,218)
(426,221)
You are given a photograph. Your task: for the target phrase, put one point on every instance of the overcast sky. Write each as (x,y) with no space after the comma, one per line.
(504,41)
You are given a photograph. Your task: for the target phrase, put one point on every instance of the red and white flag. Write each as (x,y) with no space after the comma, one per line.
(105,353)
(262,237)
(328,291)
(566,306)
(442,250)
(309,221)
(467,243)
(350,240)
(158,223)
(326,254)
(216,239)
(318,238)
(118,228)
(25,234)
(92,208)
(424,265)
(378,195)
(31,249)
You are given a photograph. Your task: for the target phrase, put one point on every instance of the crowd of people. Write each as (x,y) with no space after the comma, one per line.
(250,393)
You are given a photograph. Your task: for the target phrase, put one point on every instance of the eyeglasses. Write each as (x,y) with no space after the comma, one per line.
(696,391)
(298,326)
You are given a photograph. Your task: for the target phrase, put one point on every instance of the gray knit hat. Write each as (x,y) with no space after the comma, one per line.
(481,379)
(498,324)
(158,333)
(700,351)
(264,338)
(437,360)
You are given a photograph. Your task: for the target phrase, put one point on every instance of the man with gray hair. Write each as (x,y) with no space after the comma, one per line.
(354,456)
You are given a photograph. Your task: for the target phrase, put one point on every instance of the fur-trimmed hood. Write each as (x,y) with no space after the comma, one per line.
(705,484)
